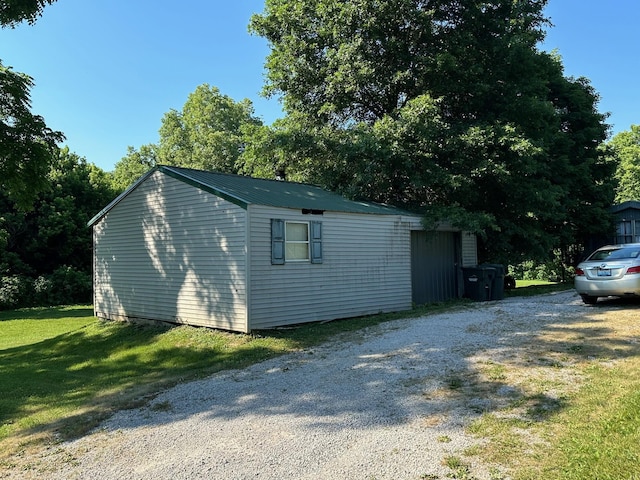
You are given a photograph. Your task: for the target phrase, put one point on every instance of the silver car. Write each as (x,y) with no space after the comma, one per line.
(613,270)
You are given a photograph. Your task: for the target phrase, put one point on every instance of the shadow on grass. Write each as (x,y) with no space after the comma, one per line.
(90,372)
(46,313)
(532,290)
(311,334)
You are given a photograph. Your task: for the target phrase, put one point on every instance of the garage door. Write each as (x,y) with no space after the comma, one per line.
(434,266)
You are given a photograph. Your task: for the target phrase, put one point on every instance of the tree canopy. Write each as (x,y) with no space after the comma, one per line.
(626,147)
(27,145)
(133,165)
(207,133)
(13,12)
(211,132)
(45,253)
(443,107)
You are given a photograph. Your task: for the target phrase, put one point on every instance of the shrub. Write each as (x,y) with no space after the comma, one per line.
(15,291)
(66,285)
(530,270)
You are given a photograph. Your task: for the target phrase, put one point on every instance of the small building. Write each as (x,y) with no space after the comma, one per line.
(627,221)
(240,253)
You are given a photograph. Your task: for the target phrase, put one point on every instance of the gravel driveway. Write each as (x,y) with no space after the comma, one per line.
(375,404)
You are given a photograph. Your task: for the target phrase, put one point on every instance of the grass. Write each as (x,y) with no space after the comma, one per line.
(598,436)
(62,370)
(557,430)
(528,288)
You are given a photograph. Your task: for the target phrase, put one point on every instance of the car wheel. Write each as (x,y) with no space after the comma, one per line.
(509,282)
(589,300)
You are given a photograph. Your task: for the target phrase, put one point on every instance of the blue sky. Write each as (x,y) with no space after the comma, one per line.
(107,71)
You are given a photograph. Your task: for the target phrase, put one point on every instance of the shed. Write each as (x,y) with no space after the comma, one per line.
(627,220)
(240,253)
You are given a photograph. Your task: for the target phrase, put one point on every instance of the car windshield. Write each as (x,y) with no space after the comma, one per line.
(615,253)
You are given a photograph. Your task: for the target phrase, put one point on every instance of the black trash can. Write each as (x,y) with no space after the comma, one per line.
(477,282)
(497,284)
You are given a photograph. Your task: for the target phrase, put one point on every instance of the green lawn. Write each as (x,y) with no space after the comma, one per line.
(527,288)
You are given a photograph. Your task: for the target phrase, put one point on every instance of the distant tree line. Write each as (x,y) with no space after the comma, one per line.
(45,251)
(444,108)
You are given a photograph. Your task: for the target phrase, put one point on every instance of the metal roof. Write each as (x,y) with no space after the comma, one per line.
(244,191)
(630,204)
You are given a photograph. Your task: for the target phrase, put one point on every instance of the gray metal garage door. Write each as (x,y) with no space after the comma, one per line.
(434,266)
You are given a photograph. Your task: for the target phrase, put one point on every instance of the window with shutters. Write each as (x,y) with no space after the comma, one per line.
(295,242)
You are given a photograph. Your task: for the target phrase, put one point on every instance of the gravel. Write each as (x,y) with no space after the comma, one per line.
(377,404)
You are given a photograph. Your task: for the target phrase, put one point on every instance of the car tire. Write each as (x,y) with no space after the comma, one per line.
(589,300)
(509,282)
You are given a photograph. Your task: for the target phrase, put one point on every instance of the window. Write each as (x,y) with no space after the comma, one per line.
(625,234)
(295,242)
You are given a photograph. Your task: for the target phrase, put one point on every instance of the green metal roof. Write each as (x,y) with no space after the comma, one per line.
(244,191)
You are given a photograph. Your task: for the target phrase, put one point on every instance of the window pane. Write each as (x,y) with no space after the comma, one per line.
(297,251)
(624,228)
(297,232)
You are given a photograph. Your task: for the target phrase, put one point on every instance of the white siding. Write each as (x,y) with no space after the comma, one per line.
(469,249)
(366,269)
(172,252)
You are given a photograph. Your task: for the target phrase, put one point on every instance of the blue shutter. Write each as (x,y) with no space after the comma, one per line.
(277,242)
(316,242)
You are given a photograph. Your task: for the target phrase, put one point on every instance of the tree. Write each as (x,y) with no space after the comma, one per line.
(443,107)
(626,147)
(48,247)
(132,166)
(207,133)
(55,232)
(12,12)
(27,145)
(359,61)
(285,149)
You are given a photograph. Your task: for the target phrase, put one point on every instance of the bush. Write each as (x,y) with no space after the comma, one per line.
(65,286)
(14,291)
(531,270)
